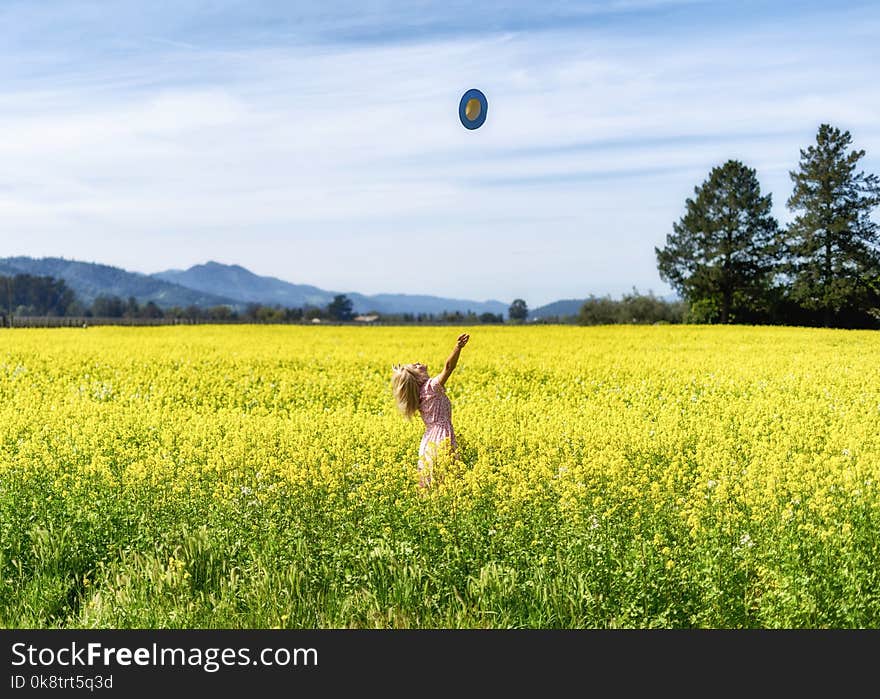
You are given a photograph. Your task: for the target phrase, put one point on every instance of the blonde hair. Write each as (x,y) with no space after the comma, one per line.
(405,386)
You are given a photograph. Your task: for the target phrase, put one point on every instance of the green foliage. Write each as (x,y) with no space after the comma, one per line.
(259,313)
(340,308)
(312,313)
(29,295)
(108,307)
(518,310)
(633,308)
(833,262)
(728,259)
(724,247)
(703,311)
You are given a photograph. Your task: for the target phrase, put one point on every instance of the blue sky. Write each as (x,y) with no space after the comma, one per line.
(320,142)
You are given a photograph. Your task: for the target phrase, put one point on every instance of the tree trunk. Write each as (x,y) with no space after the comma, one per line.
(827,283)
(727,294)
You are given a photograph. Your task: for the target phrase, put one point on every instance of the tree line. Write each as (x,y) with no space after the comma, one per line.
(732,262)
(26,295)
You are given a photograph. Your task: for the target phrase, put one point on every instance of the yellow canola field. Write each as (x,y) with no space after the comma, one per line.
(610,476)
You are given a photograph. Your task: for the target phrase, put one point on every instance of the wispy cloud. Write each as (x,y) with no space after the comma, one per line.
(324,147)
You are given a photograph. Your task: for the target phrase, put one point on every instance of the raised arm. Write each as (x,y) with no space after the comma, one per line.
(452,360)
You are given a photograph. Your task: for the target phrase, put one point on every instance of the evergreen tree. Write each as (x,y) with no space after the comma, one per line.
(132,309)
(105,306)
(151,310)
(832,257)
(518,310)
(340,308)
(27,294)
(720,256)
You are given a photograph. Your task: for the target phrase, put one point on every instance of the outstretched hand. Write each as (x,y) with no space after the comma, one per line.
(462,340)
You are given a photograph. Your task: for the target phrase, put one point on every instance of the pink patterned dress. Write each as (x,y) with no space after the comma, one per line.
(436,412)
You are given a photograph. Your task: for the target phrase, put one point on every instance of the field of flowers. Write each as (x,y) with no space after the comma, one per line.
(260,476)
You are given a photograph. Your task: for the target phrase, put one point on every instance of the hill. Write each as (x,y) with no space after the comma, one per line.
(90,279)
(213,284)
(564,307)
(242,284)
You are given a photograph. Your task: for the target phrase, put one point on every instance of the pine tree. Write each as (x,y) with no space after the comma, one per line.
(833,261)
(518,310)
(340,308)
(720,256)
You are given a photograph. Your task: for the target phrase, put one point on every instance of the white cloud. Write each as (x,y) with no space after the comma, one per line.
(320,163)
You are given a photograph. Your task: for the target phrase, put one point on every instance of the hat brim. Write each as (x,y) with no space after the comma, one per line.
(462,109)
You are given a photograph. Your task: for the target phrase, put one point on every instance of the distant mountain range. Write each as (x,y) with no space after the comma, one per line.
(240,283)
(213,284)
(216,284)
(560,309)
(89,280)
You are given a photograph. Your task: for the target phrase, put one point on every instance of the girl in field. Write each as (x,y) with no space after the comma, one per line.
(415,390)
